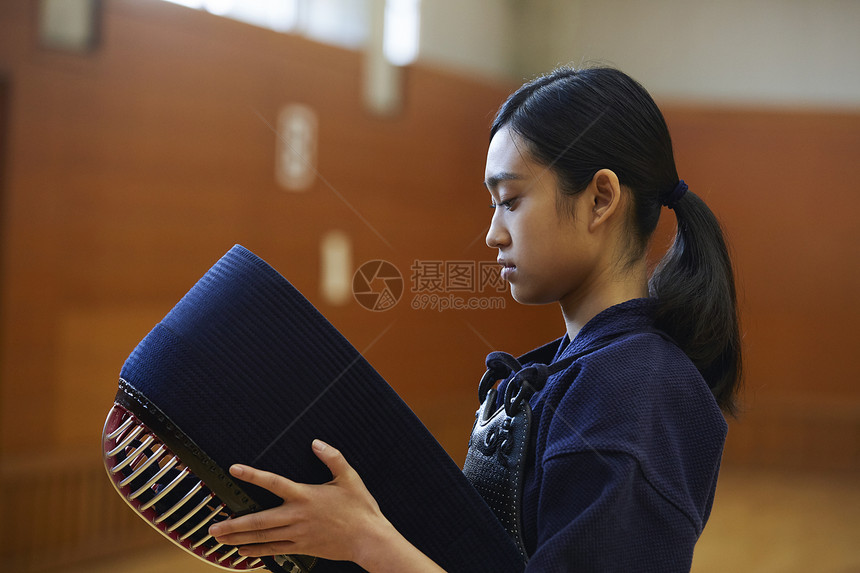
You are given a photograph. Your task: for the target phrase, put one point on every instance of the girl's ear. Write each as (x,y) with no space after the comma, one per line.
(604,195)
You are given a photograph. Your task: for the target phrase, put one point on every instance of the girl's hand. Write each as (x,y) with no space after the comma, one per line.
(338,520)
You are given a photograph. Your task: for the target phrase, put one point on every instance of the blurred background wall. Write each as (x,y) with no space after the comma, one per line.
(130,163)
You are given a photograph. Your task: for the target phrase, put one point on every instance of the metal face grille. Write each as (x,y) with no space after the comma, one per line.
(164,492)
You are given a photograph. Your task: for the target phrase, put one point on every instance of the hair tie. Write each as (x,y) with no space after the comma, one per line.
(672,199)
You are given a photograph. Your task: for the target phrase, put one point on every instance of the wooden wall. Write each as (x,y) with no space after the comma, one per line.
(129,171)
(133,169)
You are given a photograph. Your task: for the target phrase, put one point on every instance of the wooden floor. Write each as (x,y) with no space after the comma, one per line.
(763,522)
(777,522)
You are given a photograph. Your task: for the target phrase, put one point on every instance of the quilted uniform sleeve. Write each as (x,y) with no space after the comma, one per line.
(597,512)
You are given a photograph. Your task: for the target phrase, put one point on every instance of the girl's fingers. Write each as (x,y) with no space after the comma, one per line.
(332,458)
(311,512)
(264,549)
(278,485)
(252,536)
(268,520)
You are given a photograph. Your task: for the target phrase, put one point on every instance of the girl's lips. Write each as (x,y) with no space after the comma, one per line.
(507,268)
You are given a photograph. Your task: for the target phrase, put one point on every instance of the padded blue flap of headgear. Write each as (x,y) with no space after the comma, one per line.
(252,372)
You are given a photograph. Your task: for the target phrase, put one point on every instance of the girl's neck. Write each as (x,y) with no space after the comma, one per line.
(577,309)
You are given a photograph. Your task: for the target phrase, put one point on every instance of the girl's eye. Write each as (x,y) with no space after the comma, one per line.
(506,204)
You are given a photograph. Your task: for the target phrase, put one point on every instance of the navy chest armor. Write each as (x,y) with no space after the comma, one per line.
(245,370)
(500,440)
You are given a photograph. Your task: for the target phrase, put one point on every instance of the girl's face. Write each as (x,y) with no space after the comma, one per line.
(546,256)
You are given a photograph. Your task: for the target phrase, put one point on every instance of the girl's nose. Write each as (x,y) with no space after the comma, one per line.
(497,236)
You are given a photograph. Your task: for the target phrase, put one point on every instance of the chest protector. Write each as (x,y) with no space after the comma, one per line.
(498,447)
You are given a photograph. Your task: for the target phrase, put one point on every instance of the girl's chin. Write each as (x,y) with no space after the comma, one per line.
(523,296)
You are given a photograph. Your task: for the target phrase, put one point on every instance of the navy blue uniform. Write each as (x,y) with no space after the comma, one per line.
(626,447)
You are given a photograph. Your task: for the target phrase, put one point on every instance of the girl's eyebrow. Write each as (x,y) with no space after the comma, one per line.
(493,181)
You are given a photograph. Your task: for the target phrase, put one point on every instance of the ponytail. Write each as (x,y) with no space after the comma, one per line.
(696,299)
(577,122)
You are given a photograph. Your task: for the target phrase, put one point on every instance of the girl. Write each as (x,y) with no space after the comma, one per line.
(626,441)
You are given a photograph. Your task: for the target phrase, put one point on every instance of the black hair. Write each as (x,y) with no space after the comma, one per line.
(576,122)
